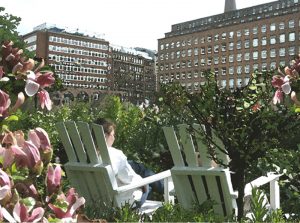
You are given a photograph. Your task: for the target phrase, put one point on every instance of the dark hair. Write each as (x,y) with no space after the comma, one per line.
(108,125)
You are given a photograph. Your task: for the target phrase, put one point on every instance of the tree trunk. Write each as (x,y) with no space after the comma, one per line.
(238,182)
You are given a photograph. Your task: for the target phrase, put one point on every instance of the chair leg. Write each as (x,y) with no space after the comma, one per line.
(274,194)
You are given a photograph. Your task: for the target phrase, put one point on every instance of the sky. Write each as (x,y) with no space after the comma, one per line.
(128,23)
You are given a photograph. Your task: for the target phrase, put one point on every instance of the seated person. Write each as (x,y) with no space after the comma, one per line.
(122,169)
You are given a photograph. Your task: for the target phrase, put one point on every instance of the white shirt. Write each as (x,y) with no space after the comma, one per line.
(124,174)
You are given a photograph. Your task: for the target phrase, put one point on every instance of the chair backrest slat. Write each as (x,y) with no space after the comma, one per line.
(101,142)
(65,138)
(188,145)
(87,139)
(76,141)
(173,143)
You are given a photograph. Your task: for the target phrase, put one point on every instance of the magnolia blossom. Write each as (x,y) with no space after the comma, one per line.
(4,103)
(72,201)
(45,100)
(21,214)
(53,179)
(5,187)
(283,86)
(36,80)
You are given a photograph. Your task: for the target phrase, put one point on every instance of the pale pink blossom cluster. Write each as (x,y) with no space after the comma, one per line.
(13,64)
(20,200)
(282,82)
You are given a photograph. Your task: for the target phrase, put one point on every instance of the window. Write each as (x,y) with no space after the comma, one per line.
(281,26)
(239,57)
(282,52)
(247,69)
(273,27)
(255,42)
(238,33)
(291,50)
(239,69)
(209,39)
(247,44)
(223,35)
(182,53)
(177,54)
(239,45)
(255,55)
(216,37)
(209,49)
(223,70)
(263,28)
(273,65)
(231,58)
(223,59)
(264,54)
(281,38)
(255,66)
(223,47)
(216,48)
(247,56)
(292,37)
(223,83)
(231,83)
(292,24)
(246,32)
(272,53)
(189,52)
(273,40)
(255,30)
(231,45)
(196,51)
(216,60)
(264,41)
(231,35)
(202,50)
(231,70)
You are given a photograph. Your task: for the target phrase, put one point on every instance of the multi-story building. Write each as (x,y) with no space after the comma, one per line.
(85,64)
(81,61)
(232,44)
(134,73)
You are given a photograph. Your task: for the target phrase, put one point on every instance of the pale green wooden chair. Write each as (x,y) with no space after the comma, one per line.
(196,184)
(92,174)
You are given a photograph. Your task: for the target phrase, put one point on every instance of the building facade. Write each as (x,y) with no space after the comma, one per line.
(89,67)
(80,61)
(232,44)
(134,74)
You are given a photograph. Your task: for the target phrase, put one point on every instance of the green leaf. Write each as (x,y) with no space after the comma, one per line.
(12,118)
(29,202)
(246,104)
(252,87)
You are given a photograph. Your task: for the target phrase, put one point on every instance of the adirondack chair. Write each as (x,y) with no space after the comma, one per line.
(92,174)
(197,184)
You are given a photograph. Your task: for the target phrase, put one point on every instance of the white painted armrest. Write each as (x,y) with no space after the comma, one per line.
(145,181)
(260,181)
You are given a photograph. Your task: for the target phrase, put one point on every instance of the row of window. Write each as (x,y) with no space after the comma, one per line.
(230,46)
(194,86)
(83,70)
(128,59)
(77,51)
(101,87)
(76,61)
(81,43)
(255,55)
(228,35)
(223,71)
(71,77)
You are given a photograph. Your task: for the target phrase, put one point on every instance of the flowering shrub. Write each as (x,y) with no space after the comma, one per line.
(283,80)
(24,196)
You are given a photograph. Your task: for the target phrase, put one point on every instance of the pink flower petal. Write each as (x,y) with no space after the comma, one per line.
(31,87)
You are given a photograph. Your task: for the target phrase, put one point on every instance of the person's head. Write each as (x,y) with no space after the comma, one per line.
(109,130)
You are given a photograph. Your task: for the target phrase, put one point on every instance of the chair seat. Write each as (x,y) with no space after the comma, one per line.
(150,206)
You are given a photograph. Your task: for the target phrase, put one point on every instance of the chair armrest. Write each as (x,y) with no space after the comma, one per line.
(260,181)
(145,181)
